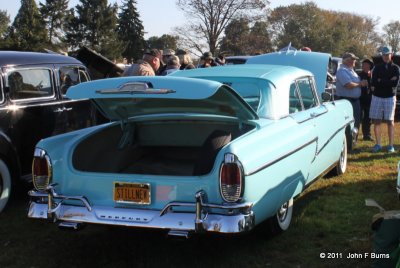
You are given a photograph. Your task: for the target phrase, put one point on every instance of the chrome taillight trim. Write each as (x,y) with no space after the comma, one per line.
(231,158)
(40,153)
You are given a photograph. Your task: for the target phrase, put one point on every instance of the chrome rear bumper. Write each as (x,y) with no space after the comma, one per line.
(207,217)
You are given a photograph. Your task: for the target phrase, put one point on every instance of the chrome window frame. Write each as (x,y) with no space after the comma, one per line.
(52,81)
(2,88)
(316,99)
(297,91)
(81,70)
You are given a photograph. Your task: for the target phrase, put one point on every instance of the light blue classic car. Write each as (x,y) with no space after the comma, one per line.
(218,154)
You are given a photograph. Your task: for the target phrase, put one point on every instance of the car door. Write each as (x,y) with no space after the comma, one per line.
(326,126)
(303,116)
(79,113)
(34,109)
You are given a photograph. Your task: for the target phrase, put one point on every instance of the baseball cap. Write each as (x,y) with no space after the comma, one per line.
(207,55)
(153,52)
(349,55)
(386,50)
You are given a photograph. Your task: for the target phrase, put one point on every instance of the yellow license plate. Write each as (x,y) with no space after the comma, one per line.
(132,193)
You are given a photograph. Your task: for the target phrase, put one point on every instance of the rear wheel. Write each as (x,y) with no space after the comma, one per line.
(5,185)
(342,162)
(281,220)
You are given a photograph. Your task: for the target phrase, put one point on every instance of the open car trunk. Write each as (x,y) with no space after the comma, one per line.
(181,147)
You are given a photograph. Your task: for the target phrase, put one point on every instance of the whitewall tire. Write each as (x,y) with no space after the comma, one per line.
(5,185)
(342,162)
(281,220)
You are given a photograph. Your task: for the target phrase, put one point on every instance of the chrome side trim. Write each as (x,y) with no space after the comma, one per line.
(331,138)
(282,157)
(234,218)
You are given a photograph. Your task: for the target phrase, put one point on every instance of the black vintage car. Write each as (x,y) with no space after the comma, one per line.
(33,106)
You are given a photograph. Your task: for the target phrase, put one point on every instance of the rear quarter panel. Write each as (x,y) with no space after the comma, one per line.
(276,160)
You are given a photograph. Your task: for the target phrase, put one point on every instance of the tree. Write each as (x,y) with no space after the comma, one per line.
(235,41)
(298,24)
(131,31)
(4,22)
(259,39)
(241,39)
(392,35)
(325,31)
(4,25)
(54,13)
(164,41)
(94,26)
(27,31)
(209,18)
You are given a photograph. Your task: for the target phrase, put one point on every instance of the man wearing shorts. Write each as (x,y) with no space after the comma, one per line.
(384,82)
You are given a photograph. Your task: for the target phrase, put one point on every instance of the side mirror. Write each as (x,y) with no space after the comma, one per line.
(326,96)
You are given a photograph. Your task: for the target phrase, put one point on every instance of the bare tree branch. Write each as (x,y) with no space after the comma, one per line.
(209,18)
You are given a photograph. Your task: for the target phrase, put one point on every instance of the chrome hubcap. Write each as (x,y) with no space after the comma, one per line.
(282,212)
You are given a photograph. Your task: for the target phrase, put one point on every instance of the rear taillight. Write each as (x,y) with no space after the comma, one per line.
(231,179)
(41,170)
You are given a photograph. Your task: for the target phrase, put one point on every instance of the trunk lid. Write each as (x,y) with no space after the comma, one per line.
(121,98)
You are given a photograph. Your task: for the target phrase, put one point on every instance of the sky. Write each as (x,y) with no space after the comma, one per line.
(161,16)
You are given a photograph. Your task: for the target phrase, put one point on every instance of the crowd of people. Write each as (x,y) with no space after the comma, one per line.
(372,94)
(156,62)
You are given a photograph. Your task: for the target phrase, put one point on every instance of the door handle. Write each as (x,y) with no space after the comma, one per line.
(68,109)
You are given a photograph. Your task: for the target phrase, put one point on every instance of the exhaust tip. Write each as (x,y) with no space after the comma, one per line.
(75,226)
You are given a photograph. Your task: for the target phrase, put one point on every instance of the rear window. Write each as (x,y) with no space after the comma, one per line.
(30,84)
(70,76)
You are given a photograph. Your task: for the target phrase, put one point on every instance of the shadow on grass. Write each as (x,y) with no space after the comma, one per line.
(327,218)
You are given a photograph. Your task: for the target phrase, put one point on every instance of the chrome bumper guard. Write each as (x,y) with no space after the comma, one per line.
(229,218)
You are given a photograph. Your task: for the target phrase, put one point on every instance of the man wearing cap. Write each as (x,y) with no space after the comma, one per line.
(385,78)
(148,66)
(348,85)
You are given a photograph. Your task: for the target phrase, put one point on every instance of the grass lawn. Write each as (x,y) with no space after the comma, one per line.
(330,216)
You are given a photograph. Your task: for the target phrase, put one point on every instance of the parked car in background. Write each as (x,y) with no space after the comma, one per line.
(33,106)
(229,60)
(191,154)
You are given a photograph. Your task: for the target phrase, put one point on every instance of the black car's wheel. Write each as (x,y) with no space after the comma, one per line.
(5,185)
(281,220)
(342,162)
